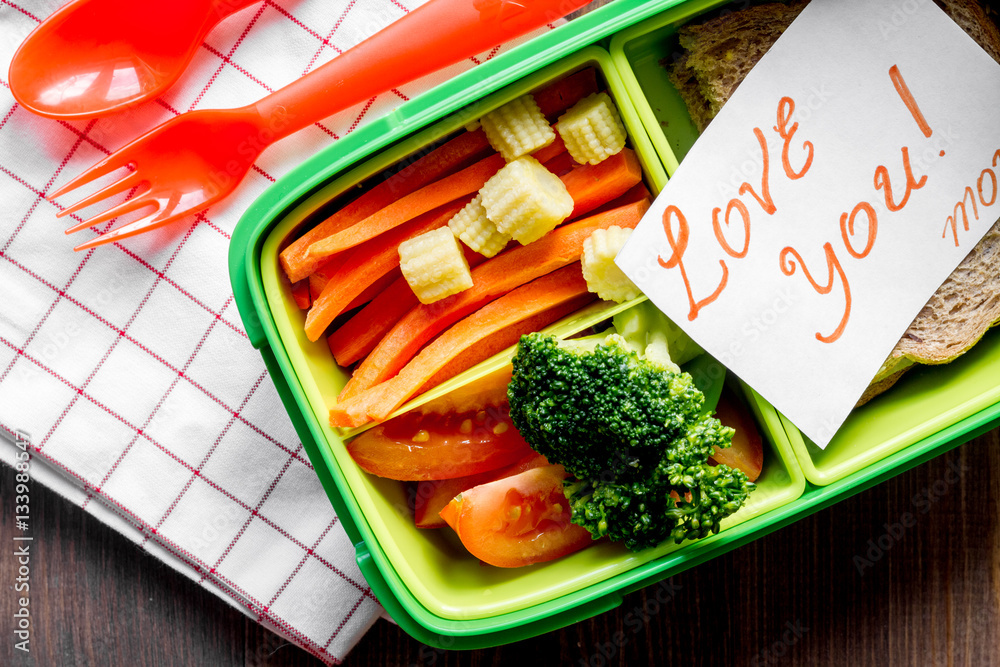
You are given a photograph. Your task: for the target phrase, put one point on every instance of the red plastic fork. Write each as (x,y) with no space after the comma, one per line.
(194,160)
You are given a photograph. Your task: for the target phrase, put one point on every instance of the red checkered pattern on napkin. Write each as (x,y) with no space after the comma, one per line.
(127,368)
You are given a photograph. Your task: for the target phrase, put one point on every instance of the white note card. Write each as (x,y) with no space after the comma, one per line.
(847,177)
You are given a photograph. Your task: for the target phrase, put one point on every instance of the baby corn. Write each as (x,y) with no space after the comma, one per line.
(603,276)
(525,200)
(434,265)
(517,128)
(476,230)
(592,130)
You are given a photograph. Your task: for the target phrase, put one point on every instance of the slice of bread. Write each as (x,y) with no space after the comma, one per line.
(718,55)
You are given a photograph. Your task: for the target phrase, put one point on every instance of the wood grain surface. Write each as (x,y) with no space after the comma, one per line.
(795,597)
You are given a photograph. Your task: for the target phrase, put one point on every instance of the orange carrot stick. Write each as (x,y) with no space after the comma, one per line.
(561,164)
(458,153)
(316,285)
(357,337)
(634,194)
(319,278)
(554,149)
(526,301)
(594,184)
(427,198)
(505,338)
(300,292)
(367,263)
(374,289)
(490,280)
(564,93)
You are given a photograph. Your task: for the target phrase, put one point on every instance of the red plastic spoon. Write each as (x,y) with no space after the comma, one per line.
(93,57)
(195,159)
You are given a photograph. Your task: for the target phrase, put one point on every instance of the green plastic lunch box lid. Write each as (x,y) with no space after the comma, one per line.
(454,603)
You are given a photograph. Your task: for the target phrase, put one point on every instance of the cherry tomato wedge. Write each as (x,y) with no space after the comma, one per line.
(414,446)
(747,452)
(517,520)
(432,496)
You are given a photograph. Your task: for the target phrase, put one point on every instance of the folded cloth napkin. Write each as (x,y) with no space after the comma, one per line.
(125,371)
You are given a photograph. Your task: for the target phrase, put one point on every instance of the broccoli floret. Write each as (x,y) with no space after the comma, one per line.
(682,503)
(649,331)
(631,430)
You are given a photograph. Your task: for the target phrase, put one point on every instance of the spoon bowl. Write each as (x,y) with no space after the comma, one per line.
(94,57)
(199,157)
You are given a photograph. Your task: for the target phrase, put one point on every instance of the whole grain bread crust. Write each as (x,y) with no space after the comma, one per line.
(719,53)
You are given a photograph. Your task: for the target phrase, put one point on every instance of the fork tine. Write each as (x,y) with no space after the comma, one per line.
(128,206)
(116,160)
(123,184)
(151,221)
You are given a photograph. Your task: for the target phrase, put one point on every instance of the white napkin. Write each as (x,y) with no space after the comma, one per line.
(125,370)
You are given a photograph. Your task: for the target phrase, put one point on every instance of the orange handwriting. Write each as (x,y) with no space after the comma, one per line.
(764,199)
(678,246)
(993,187)
(745,214)
(833,264)
(786,107)
(847,229)
(911,104)
(882,182)
(975,197)
(679,241)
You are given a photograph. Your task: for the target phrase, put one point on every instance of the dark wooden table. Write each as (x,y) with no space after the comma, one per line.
(795,597)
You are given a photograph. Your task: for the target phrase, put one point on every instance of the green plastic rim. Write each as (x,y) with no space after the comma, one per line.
(304,191)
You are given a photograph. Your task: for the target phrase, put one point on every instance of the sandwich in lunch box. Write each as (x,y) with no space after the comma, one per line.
(719,53)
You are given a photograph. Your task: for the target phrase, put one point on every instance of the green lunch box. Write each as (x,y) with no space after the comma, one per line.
(426,580)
